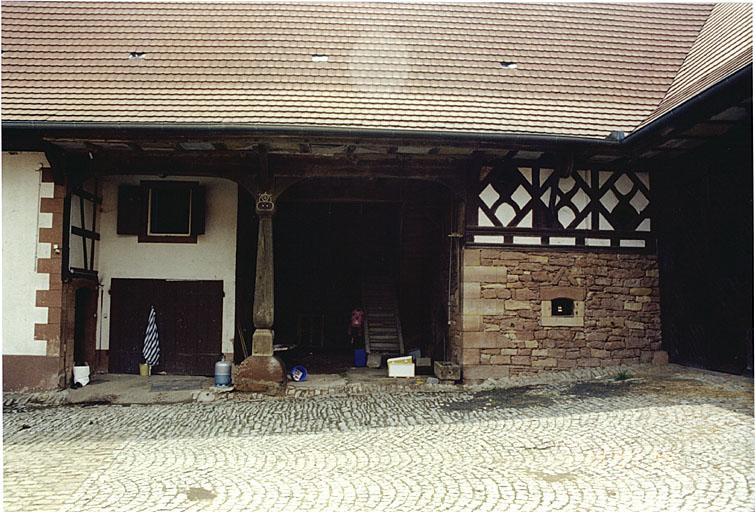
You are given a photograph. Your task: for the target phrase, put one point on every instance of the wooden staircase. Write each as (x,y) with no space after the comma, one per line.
(382,327)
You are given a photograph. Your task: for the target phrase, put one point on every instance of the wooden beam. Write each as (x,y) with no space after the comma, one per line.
(264,173)
(87,195)
(401,167)
(378,190)
(85,233)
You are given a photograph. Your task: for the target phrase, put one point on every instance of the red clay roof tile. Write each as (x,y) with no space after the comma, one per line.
(723,46)
(582,69)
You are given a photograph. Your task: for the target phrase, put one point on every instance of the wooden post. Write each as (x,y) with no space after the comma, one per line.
(262,372)
(264,306)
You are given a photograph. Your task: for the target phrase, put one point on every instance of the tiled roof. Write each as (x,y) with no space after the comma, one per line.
(582,70)
(723,47)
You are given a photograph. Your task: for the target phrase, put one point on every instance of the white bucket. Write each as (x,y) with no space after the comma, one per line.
(81,375)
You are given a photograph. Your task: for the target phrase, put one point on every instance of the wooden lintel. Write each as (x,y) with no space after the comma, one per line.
(171,164)
(350,168)
(377,190)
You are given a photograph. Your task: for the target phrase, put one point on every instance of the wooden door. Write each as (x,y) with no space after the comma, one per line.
(130,300)
(193,325)
(189,324)
(85,323)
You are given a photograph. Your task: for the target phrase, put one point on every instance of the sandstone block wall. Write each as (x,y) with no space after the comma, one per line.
(501,323)
(51,204)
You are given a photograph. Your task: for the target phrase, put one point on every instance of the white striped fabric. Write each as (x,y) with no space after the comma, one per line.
(151,350)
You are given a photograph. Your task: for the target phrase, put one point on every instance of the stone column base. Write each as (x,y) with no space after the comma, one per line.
(262,342)
(260,374)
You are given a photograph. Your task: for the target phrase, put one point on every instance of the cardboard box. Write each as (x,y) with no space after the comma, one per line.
(401,367)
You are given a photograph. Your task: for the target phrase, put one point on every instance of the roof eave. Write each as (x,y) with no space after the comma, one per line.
(714,94)
(56,128)
(13,131)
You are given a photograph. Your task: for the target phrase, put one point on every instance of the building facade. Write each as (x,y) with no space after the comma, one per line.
(512,224)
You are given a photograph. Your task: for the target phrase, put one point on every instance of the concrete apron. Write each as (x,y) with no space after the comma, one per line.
(362,380)
(135,389)
(167,389)
(122,389)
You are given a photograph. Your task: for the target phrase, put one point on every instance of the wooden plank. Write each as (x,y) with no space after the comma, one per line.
(83,239)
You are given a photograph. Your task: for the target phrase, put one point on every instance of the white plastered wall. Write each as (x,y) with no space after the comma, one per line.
(213,257)
(22,192)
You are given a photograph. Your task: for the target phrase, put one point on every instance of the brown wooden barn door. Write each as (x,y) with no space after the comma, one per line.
(189,324)
(130,300)
(195,325)
(84,335)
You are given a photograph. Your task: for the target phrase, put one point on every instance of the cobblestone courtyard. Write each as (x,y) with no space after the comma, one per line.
(668,443)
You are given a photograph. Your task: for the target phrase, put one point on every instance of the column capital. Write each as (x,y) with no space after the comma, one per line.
(265,205)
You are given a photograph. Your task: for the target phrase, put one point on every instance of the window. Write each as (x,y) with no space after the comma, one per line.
(169,211)
(162,211)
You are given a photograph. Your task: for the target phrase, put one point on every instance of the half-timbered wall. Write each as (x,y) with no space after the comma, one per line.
(517,205)
(82,236)
(610,277)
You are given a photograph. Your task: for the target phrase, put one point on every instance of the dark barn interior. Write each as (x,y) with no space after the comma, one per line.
(323,251)
(335,243)
(705,250)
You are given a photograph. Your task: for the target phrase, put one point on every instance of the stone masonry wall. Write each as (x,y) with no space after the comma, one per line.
(502,331)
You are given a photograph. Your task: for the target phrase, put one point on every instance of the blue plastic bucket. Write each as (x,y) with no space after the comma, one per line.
(360,357)
(298,373)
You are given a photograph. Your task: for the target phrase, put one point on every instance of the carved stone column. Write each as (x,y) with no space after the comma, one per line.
(262,371)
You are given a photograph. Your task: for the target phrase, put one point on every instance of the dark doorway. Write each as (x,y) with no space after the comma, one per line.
(323,252)
(85,321)
(705,233)
(331,237)
(189,323)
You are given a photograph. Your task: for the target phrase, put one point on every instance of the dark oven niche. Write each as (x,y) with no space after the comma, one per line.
(562,306)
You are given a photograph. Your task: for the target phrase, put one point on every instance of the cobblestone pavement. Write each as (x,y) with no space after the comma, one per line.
(667,443)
